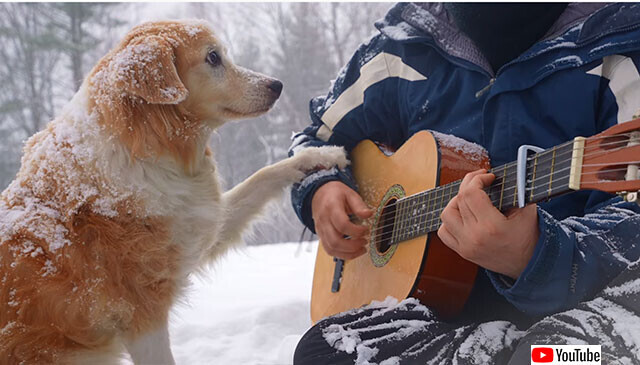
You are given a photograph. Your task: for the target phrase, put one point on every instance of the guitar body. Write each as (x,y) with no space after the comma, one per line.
(421,267)
(411,187)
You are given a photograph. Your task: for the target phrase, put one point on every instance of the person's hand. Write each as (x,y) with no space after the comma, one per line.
(478,232)
(331,206)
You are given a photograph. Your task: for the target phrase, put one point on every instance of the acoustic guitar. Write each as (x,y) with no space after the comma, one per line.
(412,186)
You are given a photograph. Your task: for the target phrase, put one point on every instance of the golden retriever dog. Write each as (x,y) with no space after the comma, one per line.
(117,201)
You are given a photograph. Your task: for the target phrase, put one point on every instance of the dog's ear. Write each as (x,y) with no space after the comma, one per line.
(146,68)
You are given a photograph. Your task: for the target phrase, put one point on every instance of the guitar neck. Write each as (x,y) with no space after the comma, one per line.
(548,175)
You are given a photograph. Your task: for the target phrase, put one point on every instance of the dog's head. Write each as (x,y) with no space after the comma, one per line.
(170,80)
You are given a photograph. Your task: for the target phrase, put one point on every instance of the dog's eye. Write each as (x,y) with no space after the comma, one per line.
(213,58)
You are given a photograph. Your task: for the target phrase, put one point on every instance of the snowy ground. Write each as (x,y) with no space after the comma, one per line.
(251,309)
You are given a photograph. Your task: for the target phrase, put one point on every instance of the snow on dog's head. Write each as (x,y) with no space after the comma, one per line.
(167,84)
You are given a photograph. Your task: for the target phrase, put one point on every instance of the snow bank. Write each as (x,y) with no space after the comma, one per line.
(250,310)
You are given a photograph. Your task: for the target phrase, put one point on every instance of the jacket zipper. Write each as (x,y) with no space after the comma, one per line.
(486,88)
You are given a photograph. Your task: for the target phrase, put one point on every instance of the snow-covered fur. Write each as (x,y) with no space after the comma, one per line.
(117,200)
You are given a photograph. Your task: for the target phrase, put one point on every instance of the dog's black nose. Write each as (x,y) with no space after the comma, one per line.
(276,87)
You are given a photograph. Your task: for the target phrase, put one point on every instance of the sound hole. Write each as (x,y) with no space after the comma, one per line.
(384,231)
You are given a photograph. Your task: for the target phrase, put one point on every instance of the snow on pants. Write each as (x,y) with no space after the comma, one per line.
(390,333)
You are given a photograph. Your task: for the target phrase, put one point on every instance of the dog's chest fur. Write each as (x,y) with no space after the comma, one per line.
(192,206)
(161,188)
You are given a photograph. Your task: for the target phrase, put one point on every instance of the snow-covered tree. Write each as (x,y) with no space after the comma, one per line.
(46,49)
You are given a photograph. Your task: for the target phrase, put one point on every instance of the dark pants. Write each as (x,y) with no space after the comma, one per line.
(408,333)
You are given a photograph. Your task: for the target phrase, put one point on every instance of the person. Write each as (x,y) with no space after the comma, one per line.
(499,75)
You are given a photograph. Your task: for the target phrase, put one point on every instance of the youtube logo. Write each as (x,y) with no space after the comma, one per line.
(566,354)
(541,355)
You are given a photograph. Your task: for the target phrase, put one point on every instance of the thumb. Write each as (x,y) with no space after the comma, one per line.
(357,205)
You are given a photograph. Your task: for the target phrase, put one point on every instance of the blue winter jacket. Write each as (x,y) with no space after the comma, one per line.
(420,73)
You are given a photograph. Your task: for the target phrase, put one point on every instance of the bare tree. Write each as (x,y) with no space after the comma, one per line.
(46,50)
(35,39)
(349,24)
(29,60)
(77,26)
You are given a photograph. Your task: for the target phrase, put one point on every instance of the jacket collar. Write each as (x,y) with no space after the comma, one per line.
(411,22)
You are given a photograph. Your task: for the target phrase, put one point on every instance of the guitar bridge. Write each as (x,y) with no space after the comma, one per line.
(337,275)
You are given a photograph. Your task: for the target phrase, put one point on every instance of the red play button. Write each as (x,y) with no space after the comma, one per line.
(542,354)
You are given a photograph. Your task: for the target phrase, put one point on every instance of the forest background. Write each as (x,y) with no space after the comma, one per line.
(46,49)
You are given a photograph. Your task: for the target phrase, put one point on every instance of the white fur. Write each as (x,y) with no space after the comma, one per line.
(152,348)
(205,222)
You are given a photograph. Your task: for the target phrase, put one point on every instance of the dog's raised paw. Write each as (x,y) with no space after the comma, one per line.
(317,158)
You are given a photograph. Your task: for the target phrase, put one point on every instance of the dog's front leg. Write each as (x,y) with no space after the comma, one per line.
(246,200)
(151,348)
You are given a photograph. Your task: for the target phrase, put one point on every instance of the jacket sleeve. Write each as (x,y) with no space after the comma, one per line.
(361,104)
(577,257)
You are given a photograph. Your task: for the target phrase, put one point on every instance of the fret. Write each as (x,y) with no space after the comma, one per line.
(400,218)
(437,207)
(427,214)
(503,185)
(445,195)
(515,192)
(419,217)
(415,211)
(494,190)
(416,218)
(411,213)
(441,206)
(432,209)
(556,172)
(423,216)
(396,223)
(563,169)
(396,228)
(405,219)
(408,219)
(533,178)
(539,179)
(553,161)
(425,204)
(504,178)
(405,214)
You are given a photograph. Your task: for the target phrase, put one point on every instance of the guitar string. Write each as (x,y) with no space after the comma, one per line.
(508,190)
(455,184)
(585,143)
(509,165)
(540,161)
(543,194)
(430,222)
(590,139)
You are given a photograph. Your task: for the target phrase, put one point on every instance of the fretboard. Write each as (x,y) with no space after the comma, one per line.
(547,173)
